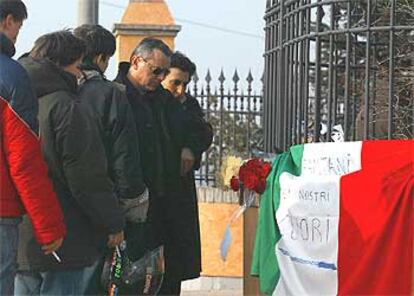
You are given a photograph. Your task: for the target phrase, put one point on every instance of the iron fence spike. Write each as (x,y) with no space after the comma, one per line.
(195,77)
(249,78)
(208,76)
(221,77)
(236,77)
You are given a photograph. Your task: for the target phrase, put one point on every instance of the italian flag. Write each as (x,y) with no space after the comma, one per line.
(337,218)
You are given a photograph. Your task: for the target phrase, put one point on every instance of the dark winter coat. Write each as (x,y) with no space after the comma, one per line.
(108,103)
(158,154)
(173,214)
(199,126)
(190,131)
(77,166)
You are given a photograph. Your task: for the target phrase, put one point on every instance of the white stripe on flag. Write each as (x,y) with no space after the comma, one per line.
(308,219)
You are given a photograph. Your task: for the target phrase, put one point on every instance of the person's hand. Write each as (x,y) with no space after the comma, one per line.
(53,246)
(115,239)
(187,161)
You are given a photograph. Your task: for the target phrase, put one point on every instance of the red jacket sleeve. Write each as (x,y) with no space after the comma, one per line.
(28,172)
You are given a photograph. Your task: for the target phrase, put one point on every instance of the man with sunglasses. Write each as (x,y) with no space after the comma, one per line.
(160,122)
(149,64)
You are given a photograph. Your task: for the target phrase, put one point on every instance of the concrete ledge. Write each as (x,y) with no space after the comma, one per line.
(209,284)
(217,195)
(153,30)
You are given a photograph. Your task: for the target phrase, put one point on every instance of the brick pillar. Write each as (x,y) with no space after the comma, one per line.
(144,18)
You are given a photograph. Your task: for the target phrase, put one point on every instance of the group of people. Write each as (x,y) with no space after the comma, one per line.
(87,164)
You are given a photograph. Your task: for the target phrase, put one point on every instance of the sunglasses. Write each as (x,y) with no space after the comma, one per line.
(157,71)
(178,82)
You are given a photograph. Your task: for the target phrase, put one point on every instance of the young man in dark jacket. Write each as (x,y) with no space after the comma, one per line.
(163,135)
(109,105)
(24,182)
(77,164)
(181,71)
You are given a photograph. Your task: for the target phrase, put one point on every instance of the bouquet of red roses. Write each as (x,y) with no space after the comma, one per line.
(252,175)
(251,182)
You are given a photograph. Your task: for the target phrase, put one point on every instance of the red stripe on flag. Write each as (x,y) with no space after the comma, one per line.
(375,254)
(381,150)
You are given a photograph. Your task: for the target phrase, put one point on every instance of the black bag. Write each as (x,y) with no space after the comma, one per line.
(121,276)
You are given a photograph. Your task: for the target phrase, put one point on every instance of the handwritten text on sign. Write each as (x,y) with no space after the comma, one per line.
(308,209)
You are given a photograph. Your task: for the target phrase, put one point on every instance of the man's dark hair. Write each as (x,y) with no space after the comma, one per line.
(182,62)
(98,40)
(16,8)
(61,47)
(148,45)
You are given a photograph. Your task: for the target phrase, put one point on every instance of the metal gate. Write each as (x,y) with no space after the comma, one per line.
(235,112)
(338,65)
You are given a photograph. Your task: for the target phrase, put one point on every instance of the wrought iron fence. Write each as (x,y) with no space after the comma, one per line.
(236,117)
(338,62)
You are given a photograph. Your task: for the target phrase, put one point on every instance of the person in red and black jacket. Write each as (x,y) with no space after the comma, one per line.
(24,182)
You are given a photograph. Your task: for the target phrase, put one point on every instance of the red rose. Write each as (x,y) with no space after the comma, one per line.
(254,164)
(243,171)
(266,168)
(260,187)
(250,180)
(235,183)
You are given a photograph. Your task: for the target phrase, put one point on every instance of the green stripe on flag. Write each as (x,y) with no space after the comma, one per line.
(264,257)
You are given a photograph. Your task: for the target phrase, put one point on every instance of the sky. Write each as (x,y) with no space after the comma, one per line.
(209,48)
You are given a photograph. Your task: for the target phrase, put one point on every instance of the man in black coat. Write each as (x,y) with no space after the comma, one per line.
(181,71)
(109,105)
(162,133)
(77,166)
